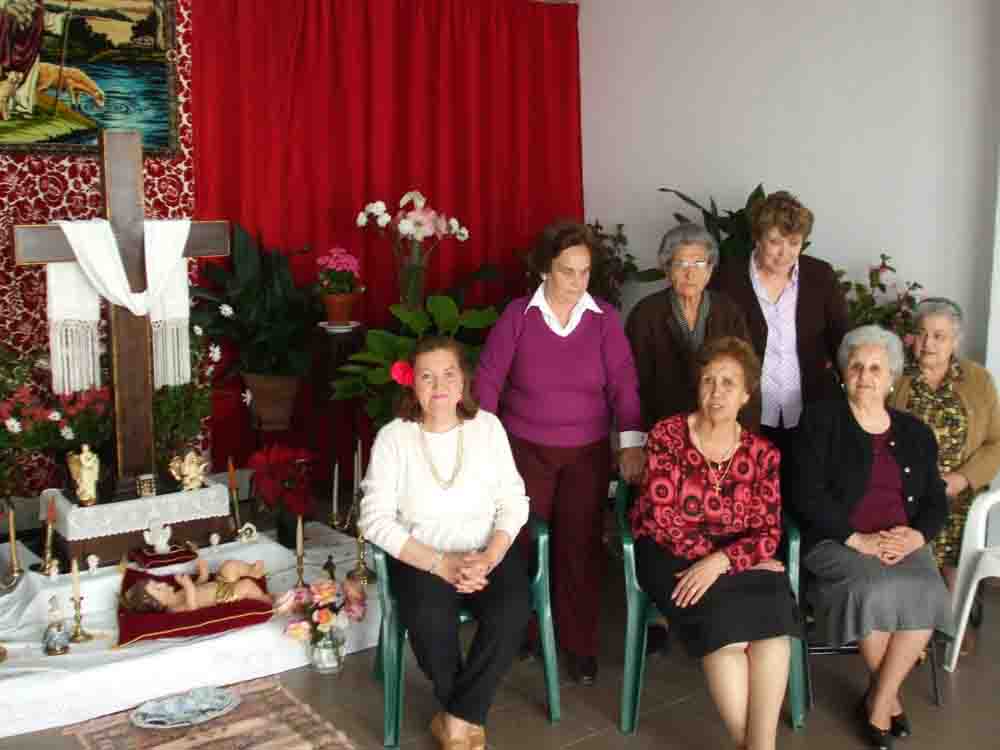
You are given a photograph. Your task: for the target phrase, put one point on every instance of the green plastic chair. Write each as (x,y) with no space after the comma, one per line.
(641,611)
(390,660)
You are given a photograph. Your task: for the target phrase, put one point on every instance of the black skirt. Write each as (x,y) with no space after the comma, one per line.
(737,608)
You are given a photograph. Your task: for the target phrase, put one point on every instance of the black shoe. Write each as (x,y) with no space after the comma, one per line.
(877,738)
(583,669)
(657,640)
(900,726)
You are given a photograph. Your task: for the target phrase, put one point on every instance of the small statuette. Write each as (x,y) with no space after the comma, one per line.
(330,567)
(214,539)
(93,561)
(84,467)
(55,639)
(247,533)
(190,470)
(158,538)
(53,570)
(145,485)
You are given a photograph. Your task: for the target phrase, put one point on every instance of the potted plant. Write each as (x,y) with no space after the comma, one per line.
(415,233)
(339,283)
(881,303)
(259,309)
(281,479)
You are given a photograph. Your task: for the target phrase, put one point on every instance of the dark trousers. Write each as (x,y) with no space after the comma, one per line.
(429,607)
(784,440)
(568,488)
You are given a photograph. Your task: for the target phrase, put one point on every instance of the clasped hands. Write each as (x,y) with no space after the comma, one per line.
(890,546)
(695,580)
(467,571)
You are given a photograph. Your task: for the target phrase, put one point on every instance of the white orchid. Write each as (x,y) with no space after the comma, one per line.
(462,234)
(67,433)
(55,416)
(226,311)
(406,228)
(215,352)
(13,425)
(362,219)
(370,208)
(414,196)
(453,225)
(247,397)
(198,331)
(378,208)
(383,220)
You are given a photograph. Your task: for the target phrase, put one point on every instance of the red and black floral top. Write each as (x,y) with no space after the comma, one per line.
(681,510)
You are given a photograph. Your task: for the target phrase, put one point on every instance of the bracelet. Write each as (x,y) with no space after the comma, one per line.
(438,557)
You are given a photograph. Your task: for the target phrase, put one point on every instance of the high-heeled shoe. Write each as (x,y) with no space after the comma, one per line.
(899,725)
(881,739)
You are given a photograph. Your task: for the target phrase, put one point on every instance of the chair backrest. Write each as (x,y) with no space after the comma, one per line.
(974,541)
(993,527)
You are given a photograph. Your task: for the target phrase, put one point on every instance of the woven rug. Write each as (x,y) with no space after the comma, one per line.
(268,718)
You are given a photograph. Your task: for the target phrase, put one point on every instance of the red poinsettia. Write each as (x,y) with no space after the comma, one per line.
(281,477)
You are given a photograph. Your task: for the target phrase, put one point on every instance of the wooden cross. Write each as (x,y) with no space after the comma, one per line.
(131,348)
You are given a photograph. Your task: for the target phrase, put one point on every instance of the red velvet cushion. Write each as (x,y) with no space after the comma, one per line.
(147,558)
(138,626)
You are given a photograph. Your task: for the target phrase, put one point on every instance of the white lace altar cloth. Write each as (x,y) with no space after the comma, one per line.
(40,692)
(74,522)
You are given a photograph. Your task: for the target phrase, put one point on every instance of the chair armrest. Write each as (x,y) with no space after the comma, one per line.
(623,502)
(539,531)
(793,542)
(385,597)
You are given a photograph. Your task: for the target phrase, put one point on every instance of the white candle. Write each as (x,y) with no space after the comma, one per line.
(299,541)
(75,570)
(336,490)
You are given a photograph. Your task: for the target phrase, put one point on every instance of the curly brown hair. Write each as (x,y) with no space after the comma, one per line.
(559,236)
(408,408)
(784,211)
(138,599)
(736,349)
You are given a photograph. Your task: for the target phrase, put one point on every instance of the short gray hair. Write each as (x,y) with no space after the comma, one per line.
(940,306)
(687,234)
(872,335)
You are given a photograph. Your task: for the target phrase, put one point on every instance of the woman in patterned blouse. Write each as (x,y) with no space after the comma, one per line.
(707,526)
(957,399)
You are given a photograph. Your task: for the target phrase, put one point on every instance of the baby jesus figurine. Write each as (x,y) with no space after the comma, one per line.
(233,582)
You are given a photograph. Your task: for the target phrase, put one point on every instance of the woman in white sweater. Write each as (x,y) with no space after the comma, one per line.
(443,498)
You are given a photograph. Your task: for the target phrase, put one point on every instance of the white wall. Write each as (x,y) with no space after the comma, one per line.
(881,116)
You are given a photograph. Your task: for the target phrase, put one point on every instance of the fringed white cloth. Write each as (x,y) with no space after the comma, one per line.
(74,291)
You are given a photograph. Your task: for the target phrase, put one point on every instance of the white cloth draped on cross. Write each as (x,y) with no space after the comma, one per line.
(75,289)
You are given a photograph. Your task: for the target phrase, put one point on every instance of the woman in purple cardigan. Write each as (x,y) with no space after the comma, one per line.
(557,369)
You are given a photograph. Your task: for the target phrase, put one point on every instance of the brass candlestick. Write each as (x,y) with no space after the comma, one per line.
(300,553)
(16,571)
(300,568)
(46,562)
(79,635)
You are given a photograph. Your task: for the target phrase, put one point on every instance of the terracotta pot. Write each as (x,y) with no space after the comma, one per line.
(338,306)
(273,399)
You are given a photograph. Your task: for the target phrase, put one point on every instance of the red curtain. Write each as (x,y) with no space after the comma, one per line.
(306,110)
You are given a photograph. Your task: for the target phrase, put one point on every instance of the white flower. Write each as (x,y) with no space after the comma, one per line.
(405,228)
(215,352)
(453,225)
(414,195)
(43,363)
(378,208)
(462,234)
(383,220)
(12,425)
(55,416)
(369,208)
(362,219)
(67,433)
(247,397)
(226,311)
(198,331)
(209,370)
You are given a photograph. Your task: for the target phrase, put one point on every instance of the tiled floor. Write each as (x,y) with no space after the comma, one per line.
(675,711)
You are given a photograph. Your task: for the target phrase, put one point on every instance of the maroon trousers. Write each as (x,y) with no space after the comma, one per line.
(568,488)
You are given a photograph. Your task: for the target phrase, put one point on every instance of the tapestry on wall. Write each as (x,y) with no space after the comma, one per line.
(69,69)
(39,188)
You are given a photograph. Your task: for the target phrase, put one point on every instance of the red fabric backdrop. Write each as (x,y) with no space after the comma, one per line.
(305,111)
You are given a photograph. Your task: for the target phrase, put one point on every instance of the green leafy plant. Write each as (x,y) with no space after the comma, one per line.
(258,307)
(882,301)
(616,266)
(732,230)
(367,375)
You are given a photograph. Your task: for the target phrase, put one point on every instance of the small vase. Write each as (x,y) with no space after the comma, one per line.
(411,283)
(339,306)
(327,654)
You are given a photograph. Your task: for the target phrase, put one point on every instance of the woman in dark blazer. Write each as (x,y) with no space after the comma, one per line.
(795,310)
(866,489)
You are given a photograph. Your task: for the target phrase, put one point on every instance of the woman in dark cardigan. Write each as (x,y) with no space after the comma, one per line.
(867,491)
(667,328)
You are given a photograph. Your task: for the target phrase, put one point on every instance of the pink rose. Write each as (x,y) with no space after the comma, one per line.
(402,373)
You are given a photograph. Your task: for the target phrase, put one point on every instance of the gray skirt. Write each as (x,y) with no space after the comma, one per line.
(854,594)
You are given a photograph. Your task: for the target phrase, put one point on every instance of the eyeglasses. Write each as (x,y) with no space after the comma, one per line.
(683,265)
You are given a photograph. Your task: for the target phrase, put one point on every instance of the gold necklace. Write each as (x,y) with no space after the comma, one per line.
(710,474)
(443,484)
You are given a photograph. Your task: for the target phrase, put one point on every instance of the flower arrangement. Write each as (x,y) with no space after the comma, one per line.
(33,425)
(339,272)
(882,301)
(281,477)
(416,232)
(326,607)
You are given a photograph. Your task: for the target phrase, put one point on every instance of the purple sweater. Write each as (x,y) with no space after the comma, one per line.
(554,390)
